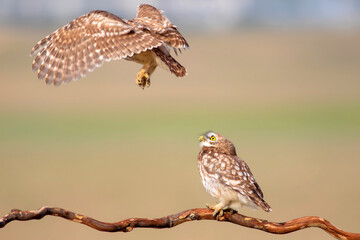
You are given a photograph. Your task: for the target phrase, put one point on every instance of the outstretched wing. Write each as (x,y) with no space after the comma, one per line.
(152,19)
(85,43)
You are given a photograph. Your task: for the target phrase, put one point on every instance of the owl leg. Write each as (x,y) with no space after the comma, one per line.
(143,79)
(218,208)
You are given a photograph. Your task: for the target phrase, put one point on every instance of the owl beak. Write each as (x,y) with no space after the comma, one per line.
(201,138)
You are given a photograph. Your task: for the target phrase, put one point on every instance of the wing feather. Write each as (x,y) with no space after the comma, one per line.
(153,20)
(85,43)
(242,181)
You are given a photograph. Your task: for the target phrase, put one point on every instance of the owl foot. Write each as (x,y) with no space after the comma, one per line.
(218,209)
(143,79)
(231,211)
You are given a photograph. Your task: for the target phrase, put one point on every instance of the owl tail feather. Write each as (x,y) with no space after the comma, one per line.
(174,67)
(265,206)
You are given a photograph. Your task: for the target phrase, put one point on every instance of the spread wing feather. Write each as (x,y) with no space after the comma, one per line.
(85,43)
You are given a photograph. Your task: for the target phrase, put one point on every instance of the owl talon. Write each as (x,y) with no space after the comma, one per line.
(143,79)
(221,213)
(209,206)
(231,211)
(218,209)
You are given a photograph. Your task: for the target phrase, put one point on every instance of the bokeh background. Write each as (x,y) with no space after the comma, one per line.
(281,79)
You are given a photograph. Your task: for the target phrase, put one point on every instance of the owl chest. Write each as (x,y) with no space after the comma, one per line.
(210,182)
(143,57)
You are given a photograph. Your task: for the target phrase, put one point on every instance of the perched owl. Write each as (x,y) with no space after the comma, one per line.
(226,176)
(86,42)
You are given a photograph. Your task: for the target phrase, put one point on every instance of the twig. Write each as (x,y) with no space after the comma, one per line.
(173,220)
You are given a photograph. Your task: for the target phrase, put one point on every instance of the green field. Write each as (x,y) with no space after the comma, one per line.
(101,146)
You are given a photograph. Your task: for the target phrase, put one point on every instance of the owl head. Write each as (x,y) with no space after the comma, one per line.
(216,142)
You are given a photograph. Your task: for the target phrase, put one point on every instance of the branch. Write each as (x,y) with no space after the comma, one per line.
(173,220)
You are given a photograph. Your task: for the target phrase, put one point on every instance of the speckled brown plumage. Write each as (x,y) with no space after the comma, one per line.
(86,42)
(226,176)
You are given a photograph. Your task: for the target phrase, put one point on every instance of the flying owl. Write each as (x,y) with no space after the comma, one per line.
(226,176)
(86,42)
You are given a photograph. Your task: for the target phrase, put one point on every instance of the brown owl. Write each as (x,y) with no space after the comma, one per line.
(86,42)
(226,176)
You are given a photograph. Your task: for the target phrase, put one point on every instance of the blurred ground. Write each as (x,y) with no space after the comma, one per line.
(104,148)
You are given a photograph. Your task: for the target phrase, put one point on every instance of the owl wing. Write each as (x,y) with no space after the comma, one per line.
(85,43)
(152,19)
(238,177)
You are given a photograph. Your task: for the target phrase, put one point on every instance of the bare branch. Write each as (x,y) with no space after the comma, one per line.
(173,220)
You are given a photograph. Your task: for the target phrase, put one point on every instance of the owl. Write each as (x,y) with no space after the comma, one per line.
(226,176)
(86,42)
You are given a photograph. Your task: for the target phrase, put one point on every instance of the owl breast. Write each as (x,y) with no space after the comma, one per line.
(213,185)
(218,190)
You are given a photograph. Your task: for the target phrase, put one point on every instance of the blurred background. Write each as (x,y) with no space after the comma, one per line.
(279,78)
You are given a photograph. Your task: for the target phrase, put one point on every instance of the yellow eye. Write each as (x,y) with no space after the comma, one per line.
(213,138)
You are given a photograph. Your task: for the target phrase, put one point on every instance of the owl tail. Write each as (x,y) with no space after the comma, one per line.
(170,63)
(265,206)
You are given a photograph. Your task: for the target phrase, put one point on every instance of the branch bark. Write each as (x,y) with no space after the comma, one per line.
(173,220)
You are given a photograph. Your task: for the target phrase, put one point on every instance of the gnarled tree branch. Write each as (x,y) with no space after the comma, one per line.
(173,220)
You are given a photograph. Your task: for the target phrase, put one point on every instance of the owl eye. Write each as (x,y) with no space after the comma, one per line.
(213,138)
